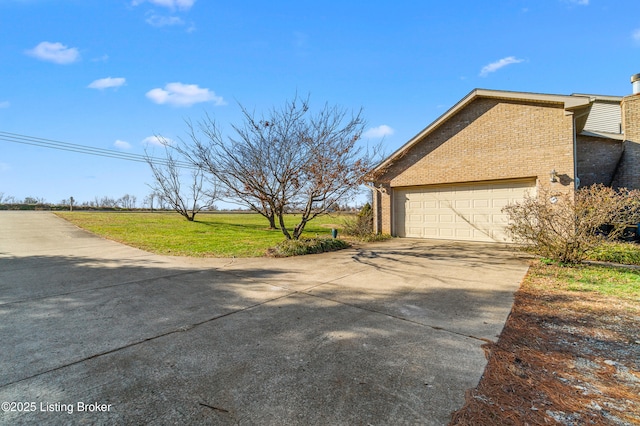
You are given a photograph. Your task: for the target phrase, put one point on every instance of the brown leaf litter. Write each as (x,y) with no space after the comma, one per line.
(564,357)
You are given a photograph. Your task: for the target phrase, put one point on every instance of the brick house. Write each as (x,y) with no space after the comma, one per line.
(452,179)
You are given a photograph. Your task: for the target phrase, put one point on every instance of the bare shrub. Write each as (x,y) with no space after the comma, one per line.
(360,226)
(561,227)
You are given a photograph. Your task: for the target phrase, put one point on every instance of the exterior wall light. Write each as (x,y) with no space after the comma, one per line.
(553,176)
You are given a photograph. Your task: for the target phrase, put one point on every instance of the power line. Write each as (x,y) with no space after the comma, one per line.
(87,150)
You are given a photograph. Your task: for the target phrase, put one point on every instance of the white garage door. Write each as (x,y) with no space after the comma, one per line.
(469,212)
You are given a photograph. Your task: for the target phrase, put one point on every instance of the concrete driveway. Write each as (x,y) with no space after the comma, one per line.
(95,332)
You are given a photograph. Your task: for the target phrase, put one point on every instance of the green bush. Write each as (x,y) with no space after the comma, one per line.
(301,247)
(616,252)
(360,226)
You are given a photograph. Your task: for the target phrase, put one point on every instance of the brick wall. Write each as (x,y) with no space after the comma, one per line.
(489,139)
(628,175)
(597,159)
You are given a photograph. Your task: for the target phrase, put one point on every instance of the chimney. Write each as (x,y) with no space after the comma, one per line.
(635,81)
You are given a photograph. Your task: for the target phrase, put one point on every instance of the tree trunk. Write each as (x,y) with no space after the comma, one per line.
(297,231)
(272,222)
(282,225)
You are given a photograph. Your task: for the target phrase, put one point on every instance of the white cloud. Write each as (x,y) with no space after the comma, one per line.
(4,104)
(103,58)
(495,66)
(122,144)
(5,167)
(164,21)
(105,83)
(635,35)
(54,52)
(157,141)
(580,2)
(378,132)
(179,94)
(171,4)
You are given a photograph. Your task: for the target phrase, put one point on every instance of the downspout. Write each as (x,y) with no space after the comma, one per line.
(576,179)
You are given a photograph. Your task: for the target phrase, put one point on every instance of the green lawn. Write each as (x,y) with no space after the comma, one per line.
(607,281)
(210,235)
(616,252)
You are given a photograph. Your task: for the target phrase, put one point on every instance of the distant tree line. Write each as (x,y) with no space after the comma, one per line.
(126,202)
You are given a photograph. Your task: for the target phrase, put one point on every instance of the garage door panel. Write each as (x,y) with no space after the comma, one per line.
(463,234)
(446,233)
(465,212)
(482,219)
(461,219)
(500,219)
(430,232)
(480,203)
(415,232)
(445,218)
(462,204)
(499,202)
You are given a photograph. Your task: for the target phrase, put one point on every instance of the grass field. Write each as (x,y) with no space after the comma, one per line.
(210,235)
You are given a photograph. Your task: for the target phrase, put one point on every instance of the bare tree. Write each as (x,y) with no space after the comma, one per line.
(107,202)
(288,159)
(127,201)
(151,198)
(335,166)
(258,166)
(168,174)
(68,202)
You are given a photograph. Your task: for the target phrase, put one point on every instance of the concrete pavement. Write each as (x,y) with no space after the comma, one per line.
(94,332)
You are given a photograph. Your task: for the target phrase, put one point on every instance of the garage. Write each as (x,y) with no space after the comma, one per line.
(470,212)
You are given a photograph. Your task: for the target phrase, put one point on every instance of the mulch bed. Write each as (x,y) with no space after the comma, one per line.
(564,357)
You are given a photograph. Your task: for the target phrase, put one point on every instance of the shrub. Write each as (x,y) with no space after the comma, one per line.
(307,246)
(616,252)
(564,228)
(360,226)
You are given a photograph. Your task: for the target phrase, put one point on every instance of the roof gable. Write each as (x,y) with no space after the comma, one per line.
(569,103)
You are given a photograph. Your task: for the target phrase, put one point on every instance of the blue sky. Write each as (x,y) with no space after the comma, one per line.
(112,74)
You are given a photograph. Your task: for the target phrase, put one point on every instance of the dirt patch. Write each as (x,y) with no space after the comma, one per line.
(564,357)
(331,225)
